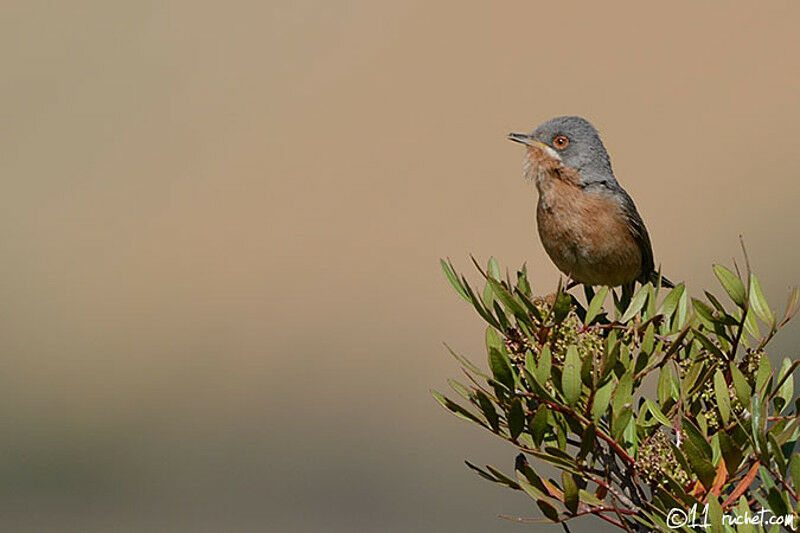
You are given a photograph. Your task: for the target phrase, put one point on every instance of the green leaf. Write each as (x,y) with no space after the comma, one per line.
(731,453)
(794,468)
(715,515)
(649,339)
(596,305)
(530,483)
(696,438)
(758,423)
(493,269)
(656,412)
(700,464)
(570,492)
(740,385)
(777,503)
(561,306)
(530,362)
(548,510)
(732,285)
(459,388)
(487,407)
(502,478)
(623,392)
(501,367)
(666,385)
(792,306)
(601,399)
(708,344)
(670,303)
(587,442)
(637,302)
(539,425)
(544,366)
(515,419)
(453,279)
(456,409)
(507,298)
(571,376)
(722,396)
(759,304)
(785,389)
(620,423)
(481,472)
(763,374)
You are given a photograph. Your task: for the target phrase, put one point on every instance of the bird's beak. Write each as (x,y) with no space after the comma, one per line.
(523,138)
(530,140)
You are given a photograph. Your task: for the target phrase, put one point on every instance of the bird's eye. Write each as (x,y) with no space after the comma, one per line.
(560,142)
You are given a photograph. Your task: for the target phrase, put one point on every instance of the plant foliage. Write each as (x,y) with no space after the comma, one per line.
(655,402)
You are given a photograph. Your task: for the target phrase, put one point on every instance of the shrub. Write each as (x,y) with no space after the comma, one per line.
(651,403)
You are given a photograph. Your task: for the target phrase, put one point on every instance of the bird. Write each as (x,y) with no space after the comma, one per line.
(587,222)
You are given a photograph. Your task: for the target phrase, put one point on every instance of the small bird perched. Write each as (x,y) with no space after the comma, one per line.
(588,224)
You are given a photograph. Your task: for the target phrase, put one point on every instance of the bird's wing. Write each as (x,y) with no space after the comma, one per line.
(635,225)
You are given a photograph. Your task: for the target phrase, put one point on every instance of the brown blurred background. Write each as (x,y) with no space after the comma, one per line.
(221,303)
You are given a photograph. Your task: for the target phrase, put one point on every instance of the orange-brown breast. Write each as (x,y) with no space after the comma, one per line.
(585,233)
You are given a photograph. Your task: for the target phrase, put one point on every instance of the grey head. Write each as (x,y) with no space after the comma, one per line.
(576,143)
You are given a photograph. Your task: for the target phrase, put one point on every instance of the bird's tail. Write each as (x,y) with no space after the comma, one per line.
(654,276)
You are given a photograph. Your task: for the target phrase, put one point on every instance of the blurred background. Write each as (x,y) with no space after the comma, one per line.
(222,308)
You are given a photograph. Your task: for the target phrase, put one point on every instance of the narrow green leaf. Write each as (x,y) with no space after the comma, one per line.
(487,407)
(763,374)
(620,423)
(715,515)
(548,510)
(623,392)
(758,423)
(792,306)
(545,365)
(561,307)
(722,396)
(596,305)
(515,418)
(456,409)
(648,340)
(502,478)
(571,376)
(508,300)
(785,390)
(700,464)
(453,279)
(695,436)
(794,468)
(740,385)
(777,503)
(732,285)
(656,412)
(539,425)
(670,303)
(601,400)
(759,304)
(732,454)
(571,500)
(501,368)
(459,388)
(481,472)
(636,305)
(493,269)
(530,362)
(666,386)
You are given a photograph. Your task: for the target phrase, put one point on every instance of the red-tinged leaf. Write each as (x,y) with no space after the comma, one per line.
(743,485)
(719,479)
